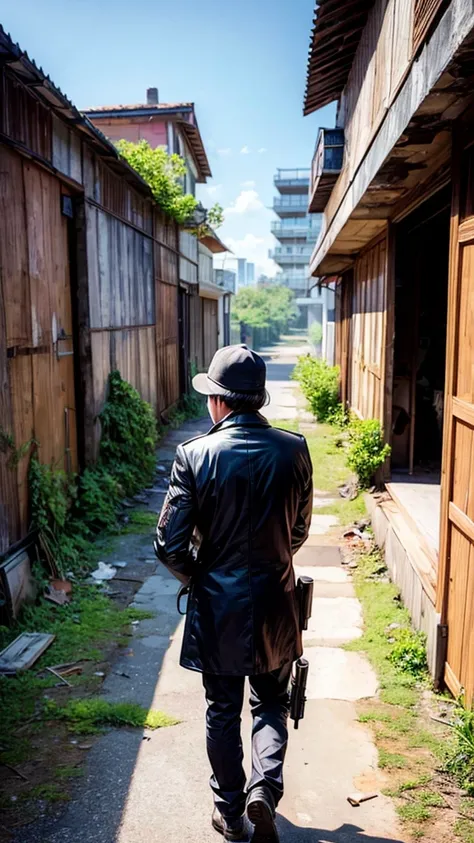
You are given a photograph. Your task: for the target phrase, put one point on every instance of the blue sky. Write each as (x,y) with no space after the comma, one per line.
(242,62)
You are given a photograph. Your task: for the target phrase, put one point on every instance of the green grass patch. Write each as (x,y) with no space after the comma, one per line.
(140,522)
(346,510)
(329,468)
(464,830)
(382,607)
(49,793)
(83,629)
(328,458)
(391,760)
(67,771)
(90,715)
(414,812)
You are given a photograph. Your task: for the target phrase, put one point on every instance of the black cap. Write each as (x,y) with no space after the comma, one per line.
(234,368)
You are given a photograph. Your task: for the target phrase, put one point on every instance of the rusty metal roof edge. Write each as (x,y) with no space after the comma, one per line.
(138,110)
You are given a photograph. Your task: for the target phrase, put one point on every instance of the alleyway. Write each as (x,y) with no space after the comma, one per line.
(153,788)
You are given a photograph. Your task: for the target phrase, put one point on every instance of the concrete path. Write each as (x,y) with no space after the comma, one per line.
(153,787)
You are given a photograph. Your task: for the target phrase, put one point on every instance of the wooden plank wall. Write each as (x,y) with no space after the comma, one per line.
(382,59)
(37,326)
(126,267)
(196,333)
(367,332)
(166,246)
(209,329)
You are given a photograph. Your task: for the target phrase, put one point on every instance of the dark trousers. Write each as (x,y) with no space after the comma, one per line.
(269,703)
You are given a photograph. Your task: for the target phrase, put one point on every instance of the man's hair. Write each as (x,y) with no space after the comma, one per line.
(245,402)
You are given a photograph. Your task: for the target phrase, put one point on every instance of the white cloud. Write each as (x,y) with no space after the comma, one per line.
(224,152)
(247,202)
(245,150)
(262,149)
(248,183)
(213,189)
(255,249)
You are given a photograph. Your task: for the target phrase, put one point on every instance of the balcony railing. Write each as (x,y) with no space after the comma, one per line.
(290,205)
(293,175)
(292,181)
(298,254)
(294,282)
(326,166)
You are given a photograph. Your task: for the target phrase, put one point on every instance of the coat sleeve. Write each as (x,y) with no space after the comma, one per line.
(301,527)
(177,521)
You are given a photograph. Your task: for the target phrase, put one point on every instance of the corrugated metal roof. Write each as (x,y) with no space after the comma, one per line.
(335,37)
(161,106)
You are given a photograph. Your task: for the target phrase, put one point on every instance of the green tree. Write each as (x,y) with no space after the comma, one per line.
(270,308)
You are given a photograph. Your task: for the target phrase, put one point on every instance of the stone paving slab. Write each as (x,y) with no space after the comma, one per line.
(335,620)
(320,524)
(324,555)
(320,573)
(335,674)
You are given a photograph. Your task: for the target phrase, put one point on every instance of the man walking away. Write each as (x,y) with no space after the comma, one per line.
(243,494)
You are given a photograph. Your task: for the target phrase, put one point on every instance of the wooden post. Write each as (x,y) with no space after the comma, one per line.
(388,344)
(447,466)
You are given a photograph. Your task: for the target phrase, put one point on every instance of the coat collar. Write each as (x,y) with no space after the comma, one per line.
(241,420)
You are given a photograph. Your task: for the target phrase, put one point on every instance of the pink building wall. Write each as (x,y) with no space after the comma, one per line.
(151,130)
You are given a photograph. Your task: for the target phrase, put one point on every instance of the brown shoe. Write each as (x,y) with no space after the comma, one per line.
(261,813)
(230,830)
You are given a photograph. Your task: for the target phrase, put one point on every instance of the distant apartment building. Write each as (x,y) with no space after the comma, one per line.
(241,272)
(297,232)
(226,279)
(250,273)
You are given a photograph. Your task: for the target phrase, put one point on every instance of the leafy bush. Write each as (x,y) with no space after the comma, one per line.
(339,417)
(97,498)
(68,511)
(409,651)
(129,436)
(51,496)
(315,333)
(461,762)
(320,385)
(367,451)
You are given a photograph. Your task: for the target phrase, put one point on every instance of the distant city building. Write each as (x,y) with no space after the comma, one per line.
(297,232)
(225,278)
(241,272)
(250,273)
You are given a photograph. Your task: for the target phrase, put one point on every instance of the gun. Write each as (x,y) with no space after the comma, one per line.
(304,591)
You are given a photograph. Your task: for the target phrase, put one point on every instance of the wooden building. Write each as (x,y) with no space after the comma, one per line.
(92,278)
(397,237)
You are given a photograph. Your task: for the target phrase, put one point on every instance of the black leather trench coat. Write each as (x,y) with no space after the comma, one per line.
(245,489)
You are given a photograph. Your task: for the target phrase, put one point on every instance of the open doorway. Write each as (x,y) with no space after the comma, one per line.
(421,290)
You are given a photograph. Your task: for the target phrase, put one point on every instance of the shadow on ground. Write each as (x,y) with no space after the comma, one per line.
(344,834)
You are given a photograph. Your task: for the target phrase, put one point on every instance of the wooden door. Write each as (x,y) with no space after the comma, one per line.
(210,328)
(456,572)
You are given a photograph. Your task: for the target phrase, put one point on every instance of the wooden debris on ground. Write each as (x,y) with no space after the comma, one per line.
(356,799)
(24,651)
